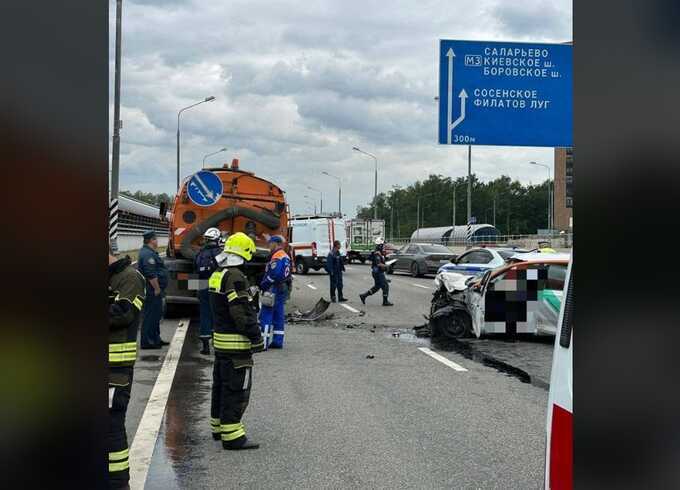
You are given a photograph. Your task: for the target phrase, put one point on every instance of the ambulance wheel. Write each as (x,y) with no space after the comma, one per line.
(301,267)
(362,260)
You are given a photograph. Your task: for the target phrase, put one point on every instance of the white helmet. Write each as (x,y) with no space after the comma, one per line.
(379,240)
(212,234)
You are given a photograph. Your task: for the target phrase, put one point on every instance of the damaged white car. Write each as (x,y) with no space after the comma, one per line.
(521,297)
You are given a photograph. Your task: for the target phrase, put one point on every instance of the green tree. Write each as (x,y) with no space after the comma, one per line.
(519,209)
(149,197)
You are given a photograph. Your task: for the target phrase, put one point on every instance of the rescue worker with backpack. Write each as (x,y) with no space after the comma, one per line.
(274,289)
(126,300)
(378,269)
(205,265)
(236,337)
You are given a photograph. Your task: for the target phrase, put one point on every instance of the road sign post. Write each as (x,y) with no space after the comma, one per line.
(502,93)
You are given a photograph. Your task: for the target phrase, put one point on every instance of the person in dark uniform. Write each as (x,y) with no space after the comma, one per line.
(126,300)
(236,337)
(205,265)
(154,271)
(335,267)
(378,268)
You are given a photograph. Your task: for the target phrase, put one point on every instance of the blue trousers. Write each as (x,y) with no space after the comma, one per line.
(336,283)
(151,327)
(272,319)
(379,282)
(206,314)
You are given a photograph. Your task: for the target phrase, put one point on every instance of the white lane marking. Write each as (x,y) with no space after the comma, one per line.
(144,442)
(348,307)
(311,286)
(348,268)
(442,359)
(420,286)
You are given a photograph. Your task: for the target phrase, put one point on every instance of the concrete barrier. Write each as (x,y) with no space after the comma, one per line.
(132,241)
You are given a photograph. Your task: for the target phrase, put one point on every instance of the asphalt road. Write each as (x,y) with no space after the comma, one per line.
(328,416)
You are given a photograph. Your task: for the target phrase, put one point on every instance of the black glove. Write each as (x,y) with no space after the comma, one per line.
(257,345)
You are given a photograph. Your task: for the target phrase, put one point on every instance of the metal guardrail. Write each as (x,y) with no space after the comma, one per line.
(564,240)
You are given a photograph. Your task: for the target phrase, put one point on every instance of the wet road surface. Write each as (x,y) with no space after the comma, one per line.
(328,415)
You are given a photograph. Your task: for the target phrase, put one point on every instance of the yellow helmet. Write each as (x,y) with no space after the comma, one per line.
(240,244)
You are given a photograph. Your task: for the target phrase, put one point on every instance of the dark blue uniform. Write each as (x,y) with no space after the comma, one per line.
(152,266)
(335,267)
(379,279)
(205,265)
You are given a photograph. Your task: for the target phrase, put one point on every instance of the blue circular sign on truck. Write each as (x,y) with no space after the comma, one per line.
(204,188)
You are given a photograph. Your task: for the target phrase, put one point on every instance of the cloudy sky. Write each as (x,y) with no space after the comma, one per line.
(298,84)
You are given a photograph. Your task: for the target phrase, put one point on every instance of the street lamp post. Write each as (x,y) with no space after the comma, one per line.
(375,185)
(549,193)
(211,154)
(453,221)
(393,199)
(320,197)
(115,147)
(207,99)
(339,191)
(418,219)
(311,199)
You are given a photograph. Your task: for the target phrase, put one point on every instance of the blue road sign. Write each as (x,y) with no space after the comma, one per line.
(204,188)
(498,93)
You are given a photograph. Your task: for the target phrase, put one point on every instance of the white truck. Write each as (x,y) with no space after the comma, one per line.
(312,239)
(361,234)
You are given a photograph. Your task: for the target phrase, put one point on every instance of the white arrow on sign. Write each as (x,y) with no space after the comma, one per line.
(463,97)
(450,54)
(207,191)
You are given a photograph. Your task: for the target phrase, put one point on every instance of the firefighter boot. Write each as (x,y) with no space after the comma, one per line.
(245,445)
(206,345)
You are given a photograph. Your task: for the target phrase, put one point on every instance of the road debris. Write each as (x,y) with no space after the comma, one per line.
(423,330)
(316,313)
(370,356)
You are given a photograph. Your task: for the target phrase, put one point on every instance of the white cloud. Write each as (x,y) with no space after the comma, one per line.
(299,84)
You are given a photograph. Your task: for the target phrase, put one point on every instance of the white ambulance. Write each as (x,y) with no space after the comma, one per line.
(312,238)
(559,454)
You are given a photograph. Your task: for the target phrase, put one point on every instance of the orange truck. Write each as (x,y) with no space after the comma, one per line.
(248,204)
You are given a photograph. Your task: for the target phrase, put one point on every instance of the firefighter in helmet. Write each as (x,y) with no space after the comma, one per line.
(236,337)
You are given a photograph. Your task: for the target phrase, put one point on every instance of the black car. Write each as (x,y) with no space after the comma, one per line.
(419,258)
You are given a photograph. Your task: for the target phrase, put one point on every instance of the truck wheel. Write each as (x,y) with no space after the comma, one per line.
(454,326)
(301,267)
(415,269)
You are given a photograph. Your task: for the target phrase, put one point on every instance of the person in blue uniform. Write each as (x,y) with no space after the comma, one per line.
(274,292)
(378,268)
(154,271)
(205,265)
(335,267)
